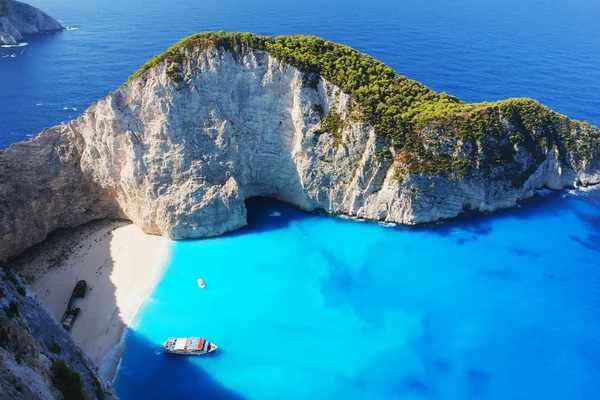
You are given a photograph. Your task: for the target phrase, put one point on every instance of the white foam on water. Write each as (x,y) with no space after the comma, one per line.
(111,363)
(70,28)
(275,214)
(589,188)
(15,45)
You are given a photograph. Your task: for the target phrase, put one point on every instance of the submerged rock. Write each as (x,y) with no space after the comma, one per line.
(18,19)
(220,118)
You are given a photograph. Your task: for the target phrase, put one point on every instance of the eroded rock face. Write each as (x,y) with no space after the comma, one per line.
(22,19)
(178,155)
(30,341)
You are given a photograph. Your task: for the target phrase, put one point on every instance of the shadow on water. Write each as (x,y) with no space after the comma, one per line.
(265,213)
(162,376)
(268,214)
(59,258)
(261,218)
(548,204)
(261,215)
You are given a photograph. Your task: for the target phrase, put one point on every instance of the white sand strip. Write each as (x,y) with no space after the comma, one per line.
(121,265)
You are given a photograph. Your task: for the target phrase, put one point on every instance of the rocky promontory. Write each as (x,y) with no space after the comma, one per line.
(18,19)
(219,118)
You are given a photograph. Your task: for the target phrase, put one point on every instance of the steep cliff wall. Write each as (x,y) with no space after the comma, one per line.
(197,131)
(33,348)
(18,19)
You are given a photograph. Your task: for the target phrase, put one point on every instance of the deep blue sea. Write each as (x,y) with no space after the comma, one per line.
(502,306)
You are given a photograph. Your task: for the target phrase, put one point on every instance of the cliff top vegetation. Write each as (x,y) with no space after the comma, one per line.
(414,123)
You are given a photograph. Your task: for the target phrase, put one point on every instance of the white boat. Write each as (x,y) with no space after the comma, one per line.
(201,283)
(193,346)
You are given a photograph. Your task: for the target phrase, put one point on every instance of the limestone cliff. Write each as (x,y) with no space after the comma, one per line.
(33,346)
(18,19)
(217,120)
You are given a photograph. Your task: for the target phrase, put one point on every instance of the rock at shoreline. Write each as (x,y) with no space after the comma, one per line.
(38,358)
(220,118)
(18,19)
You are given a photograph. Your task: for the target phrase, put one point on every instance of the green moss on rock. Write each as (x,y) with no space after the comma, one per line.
(67,380)
(428,132)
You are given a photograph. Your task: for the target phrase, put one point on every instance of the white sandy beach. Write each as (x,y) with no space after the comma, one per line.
(121,265)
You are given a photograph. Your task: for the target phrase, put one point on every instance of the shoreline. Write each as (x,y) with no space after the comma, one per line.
(121,266)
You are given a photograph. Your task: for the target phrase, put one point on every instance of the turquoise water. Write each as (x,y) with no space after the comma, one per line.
(307,306)
(304,306)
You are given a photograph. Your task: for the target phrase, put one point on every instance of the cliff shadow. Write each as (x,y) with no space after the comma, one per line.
(146,373)
(546,204)
(116,260)
(267,213)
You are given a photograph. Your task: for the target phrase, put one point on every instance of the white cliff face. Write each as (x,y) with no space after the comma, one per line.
(180,159)
(23,19)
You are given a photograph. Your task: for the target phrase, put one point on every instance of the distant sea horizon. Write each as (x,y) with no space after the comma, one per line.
(495,307)
(476,51)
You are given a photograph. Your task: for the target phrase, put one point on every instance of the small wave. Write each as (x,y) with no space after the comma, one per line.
(71,28)
(15,45)
(70,108)
(39,104)
(275,214)
(388,224)
(591,188)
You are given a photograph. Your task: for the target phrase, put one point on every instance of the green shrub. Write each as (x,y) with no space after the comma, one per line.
(318,109)
(174,73)
(332,123)
(4,337)
(55,348)
(97,386)
(484,135)
(67,381)
(12,310)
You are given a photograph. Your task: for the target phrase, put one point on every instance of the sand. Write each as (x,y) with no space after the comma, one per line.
(121,266)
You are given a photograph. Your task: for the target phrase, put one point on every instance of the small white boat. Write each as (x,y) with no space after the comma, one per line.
(193,346)
(201,283)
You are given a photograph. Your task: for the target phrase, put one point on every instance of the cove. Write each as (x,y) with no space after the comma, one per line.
(302,306)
